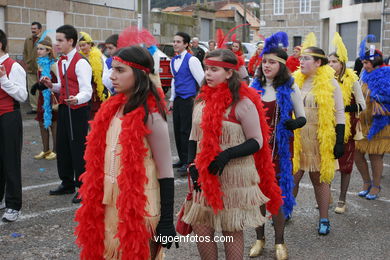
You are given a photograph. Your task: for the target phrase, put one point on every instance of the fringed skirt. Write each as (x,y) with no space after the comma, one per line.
(242,200)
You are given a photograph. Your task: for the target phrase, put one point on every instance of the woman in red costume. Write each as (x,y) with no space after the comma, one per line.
(293,60)
(128,191)
(255,60)
(230,167)
(238,51)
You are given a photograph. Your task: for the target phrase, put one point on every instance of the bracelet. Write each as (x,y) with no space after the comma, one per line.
(189,166)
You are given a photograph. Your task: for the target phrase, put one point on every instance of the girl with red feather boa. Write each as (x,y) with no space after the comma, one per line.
(231,169)
(128,188)
(238,51)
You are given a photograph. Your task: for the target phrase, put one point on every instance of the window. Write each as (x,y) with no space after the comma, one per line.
(297,40)
(374,27)
(278,7)
(305,6)
(366,1)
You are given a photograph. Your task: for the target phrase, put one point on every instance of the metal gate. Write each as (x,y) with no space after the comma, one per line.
(348,31)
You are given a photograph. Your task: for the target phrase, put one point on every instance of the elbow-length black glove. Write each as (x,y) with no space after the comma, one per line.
(292,124)
(165,228)
(338,150)
(250,146)
(192,167)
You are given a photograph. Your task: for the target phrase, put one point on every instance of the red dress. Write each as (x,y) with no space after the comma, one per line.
(40,111)
(254,62)
(346,161)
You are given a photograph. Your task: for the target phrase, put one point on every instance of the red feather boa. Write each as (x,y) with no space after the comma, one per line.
(240,58)
(132,232)
(217,100)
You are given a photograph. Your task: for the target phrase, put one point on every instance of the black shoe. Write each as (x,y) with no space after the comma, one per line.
(76,199)
(61,190)
(183,169)
(31,112)
(177,165)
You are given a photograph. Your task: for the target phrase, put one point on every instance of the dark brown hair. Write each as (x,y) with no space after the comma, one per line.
(234,83)
(377,61)
(143,85)
(317,50)
(283,74)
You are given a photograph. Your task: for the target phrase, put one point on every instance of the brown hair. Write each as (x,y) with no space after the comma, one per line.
(343,66)
(49,47)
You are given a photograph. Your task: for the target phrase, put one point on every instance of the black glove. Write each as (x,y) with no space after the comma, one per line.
(292,124)
(353,108)
(37,86)
(106,93)
(194,177)
(250,146)
(338,150)
(165,227)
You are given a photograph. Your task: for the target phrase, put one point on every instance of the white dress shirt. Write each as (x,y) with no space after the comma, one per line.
(195,68)
(15,84)
(84,76)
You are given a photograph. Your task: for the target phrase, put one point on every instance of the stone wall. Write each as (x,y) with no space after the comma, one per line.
(97,20)
(292,21)
(386,29)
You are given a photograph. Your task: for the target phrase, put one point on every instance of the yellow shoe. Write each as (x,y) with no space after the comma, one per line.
(281,252)
(340,209)
(51,156)
(42,155)
(257,248)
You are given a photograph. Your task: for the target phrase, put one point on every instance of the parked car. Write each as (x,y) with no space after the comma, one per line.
(165,71)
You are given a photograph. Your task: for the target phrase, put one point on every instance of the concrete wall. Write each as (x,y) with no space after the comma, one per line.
(350,12)
(100,21)
(292,21)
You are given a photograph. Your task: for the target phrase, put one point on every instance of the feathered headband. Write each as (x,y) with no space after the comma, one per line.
(133,36)
(341,51)
(362,52)
(85,37)
(43,36)
(275,41)
(310,41)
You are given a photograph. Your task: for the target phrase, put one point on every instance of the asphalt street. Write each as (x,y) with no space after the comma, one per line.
(46,226)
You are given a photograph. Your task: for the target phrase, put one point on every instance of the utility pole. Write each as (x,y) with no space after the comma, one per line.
(244,28)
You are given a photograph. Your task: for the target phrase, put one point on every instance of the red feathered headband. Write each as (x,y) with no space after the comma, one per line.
(132,64)
(222,64)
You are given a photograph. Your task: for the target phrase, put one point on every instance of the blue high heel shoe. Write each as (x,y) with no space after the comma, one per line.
(324,227)
(364,193)
(373,196)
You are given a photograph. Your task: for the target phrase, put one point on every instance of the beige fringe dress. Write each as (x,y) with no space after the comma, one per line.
(239,183)
(112,168)
(380,144)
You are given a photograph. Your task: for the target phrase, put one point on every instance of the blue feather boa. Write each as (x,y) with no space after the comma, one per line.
(282,139)
(45,63)
(379,86)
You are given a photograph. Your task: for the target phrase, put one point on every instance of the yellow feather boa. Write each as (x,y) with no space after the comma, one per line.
(95,59)
(348,79)
(323,90)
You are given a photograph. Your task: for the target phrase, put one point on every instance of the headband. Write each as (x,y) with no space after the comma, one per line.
(222,64)
(314,54)
(274,57)
(132,64)
(47,47)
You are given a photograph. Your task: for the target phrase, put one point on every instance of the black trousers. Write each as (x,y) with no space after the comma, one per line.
(70,153)
(182,123)
(11,138)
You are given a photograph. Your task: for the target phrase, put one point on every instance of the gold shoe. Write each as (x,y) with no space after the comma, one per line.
(42,155)
(51,156)
(340,209)
(257,248)
(281,252)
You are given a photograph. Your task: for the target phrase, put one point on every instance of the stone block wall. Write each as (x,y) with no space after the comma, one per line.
(99,21)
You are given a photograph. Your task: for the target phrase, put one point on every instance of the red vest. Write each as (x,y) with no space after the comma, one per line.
(7,103)
(73,84)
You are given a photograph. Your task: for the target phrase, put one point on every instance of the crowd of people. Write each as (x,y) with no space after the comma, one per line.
(245,143)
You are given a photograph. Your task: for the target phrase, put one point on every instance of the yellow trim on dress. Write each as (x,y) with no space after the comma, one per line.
(323,91)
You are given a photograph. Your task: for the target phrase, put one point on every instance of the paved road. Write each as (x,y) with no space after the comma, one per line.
(45,230)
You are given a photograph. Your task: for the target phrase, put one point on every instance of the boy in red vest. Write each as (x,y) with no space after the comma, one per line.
(12,91)
(77,79)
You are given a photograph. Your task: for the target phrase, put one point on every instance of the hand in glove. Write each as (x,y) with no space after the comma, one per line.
(194,177)
(292,124)
(250,146)
(165,228)
(353,108)
(338,150)
(37,86)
